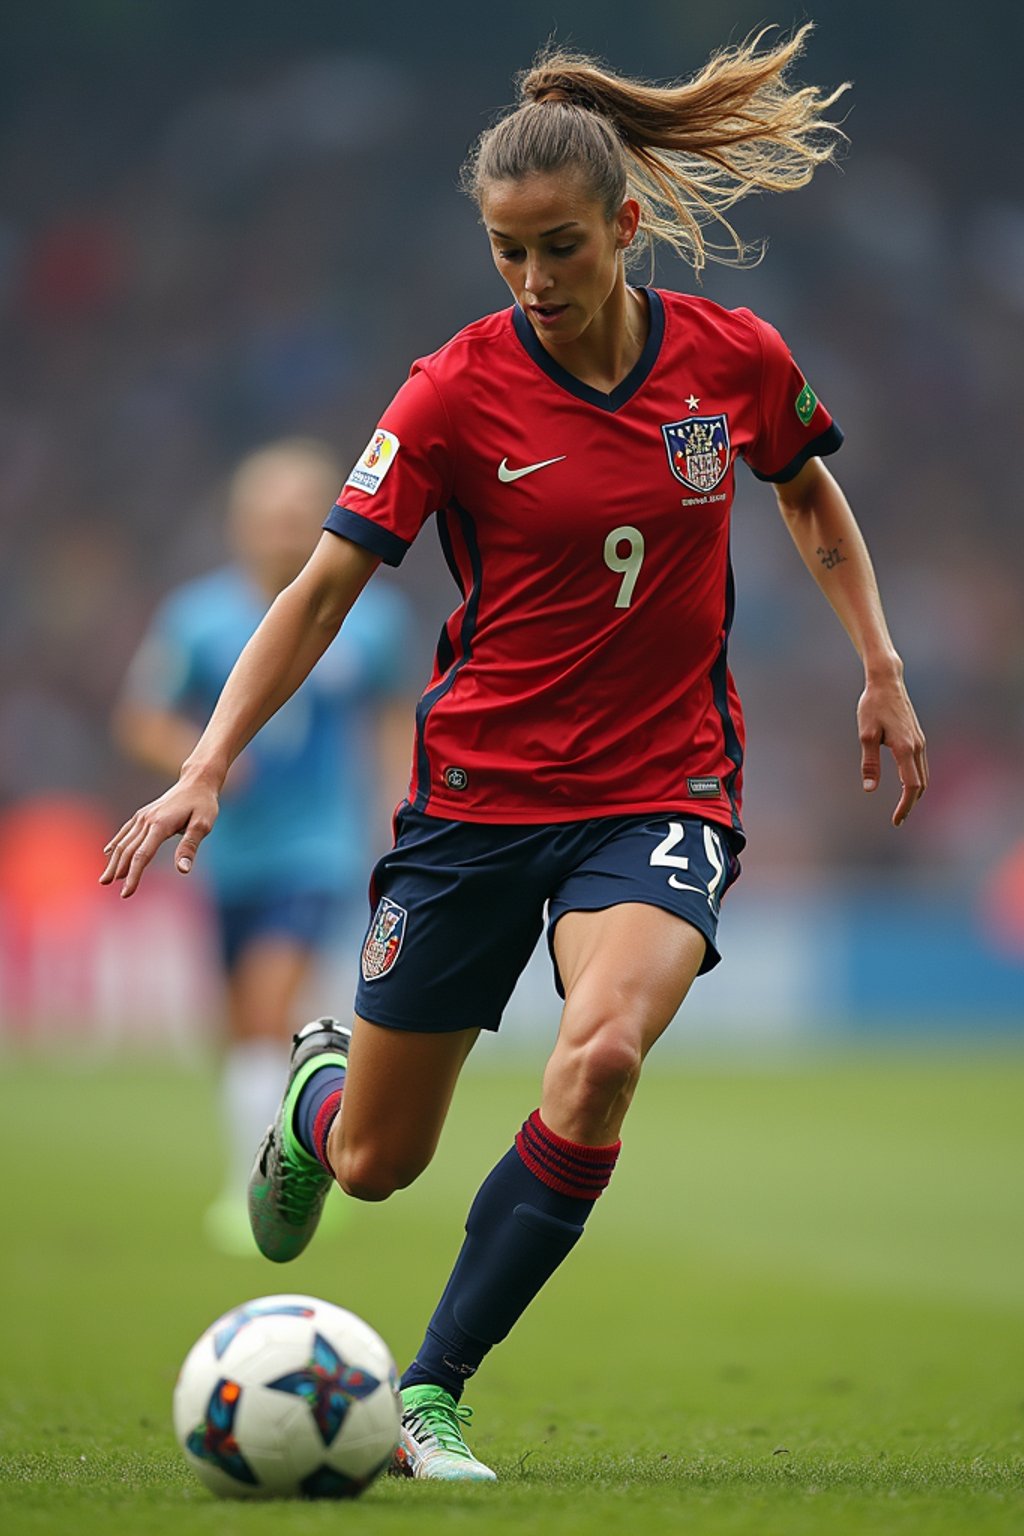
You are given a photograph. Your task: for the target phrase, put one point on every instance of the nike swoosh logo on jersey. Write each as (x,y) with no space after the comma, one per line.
(506,475)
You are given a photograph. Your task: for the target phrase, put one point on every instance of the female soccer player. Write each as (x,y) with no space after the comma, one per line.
(580,742)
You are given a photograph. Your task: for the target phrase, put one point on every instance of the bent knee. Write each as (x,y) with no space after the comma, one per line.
(610,1062)
(603,1066)
(364,1175)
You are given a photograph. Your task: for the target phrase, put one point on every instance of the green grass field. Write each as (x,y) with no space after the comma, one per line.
(799,1308)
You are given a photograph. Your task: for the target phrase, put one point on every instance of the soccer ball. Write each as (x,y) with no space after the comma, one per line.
(288,1397)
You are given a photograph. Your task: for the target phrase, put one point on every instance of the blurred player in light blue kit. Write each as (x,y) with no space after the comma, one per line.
(290,858)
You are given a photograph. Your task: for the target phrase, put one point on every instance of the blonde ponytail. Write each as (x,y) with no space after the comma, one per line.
(687,152)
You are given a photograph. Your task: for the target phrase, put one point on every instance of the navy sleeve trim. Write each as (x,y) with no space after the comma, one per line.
(362,530)
(825,443)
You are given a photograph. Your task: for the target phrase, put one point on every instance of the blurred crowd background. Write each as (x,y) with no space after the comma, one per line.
(224,223)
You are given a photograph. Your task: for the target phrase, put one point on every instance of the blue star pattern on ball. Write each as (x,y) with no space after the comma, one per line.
(233,1323)
(214,1439)
(328,1483)
(328,1385)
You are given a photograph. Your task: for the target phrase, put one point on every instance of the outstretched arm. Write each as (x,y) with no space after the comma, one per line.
(297,629)
(832,547)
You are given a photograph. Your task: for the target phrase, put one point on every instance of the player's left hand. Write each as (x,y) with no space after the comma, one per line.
(886,717)
(189,809)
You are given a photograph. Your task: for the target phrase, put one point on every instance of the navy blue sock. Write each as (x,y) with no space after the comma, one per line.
(528,1215)
(318,1103)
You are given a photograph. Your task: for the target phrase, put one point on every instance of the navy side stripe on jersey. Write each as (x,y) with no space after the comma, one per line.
(370,535)
(467,632)
(445,652)
(720,693)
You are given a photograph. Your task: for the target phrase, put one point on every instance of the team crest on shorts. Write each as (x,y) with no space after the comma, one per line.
(698,450)
(384,940)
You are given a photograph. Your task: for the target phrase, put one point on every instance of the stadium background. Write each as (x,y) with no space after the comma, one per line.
(221,223)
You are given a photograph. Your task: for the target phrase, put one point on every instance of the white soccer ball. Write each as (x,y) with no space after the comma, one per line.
(288,1397)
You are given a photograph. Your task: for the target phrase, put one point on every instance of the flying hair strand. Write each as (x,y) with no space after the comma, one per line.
(687,151)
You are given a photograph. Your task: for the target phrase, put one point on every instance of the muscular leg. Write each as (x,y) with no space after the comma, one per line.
(398,1090)
(625,970)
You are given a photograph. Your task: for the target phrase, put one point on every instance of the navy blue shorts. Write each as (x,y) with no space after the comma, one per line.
(307,918)
(458,906)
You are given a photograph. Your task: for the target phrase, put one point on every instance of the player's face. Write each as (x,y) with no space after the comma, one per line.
(558,251)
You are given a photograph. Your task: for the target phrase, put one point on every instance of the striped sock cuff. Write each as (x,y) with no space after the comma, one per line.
(325,1117)
(567,1167)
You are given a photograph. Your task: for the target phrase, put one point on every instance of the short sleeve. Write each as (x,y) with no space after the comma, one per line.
(404,475)
(793,425)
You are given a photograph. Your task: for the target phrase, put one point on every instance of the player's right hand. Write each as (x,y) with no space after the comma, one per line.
(190,809)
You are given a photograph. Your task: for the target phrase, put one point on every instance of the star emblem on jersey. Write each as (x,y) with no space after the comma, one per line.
(506,475)
(698,450)
(692,403)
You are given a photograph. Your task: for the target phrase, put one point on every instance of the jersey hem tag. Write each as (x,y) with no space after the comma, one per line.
(706,788)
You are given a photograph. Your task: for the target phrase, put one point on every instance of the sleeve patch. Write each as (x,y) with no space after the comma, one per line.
(806,403)
(381,452)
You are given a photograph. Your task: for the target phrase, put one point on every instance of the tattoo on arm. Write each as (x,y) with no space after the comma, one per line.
(831,557)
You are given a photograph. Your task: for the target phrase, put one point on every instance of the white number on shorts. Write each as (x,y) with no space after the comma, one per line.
(713,849)
(663,857)
(627,565)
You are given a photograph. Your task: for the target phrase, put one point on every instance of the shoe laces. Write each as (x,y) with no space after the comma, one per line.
(441,1418)
(299,1185)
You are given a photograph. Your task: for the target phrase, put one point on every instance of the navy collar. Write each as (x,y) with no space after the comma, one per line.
(565,380)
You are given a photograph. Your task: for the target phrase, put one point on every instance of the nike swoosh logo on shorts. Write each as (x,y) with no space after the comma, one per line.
(678,885)
(506,475)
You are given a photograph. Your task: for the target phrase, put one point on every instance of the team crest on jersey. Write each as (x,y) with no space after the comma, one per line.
(698,450)
(376,461)
(384,940)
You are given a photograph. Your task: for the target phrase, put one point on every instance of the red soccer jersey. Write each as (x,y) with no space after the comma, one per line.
(584,673)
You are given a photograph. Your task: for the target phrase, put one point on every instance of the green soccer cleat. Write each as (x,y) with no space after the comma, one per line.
(432,1443)
(287,1186)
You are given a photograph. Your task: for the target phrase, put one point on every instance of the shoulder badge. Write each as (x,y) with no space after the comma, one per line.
(806,404)
(375,462)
